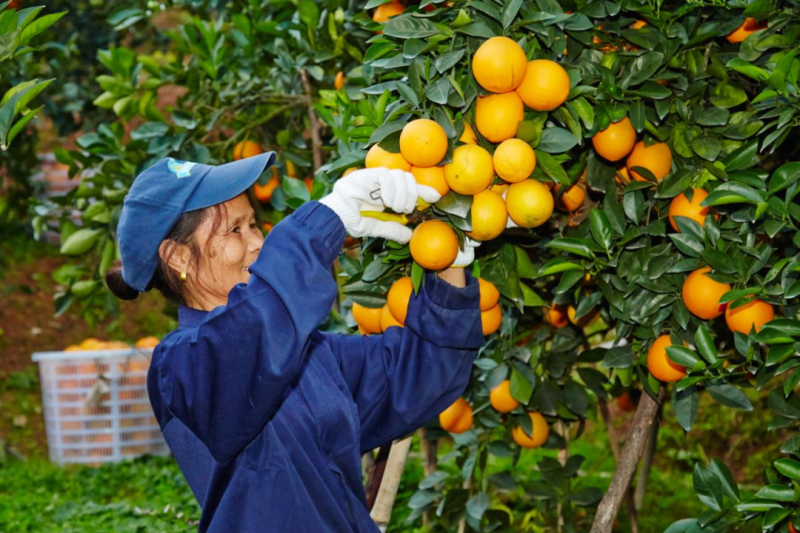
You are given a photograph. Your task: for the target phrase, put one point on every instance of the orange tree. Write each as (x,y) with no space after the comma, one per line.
(641,150)
(662,133)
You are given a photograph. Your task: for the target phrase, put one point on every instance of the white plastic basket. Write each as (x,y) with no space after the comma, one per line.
(93,423)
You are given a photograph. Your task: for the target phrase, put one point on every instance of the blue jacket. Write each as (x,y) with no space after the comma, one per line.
(268,417)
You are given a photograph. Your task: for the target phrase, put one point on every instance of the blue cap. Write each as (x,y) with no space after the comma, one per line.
(162,193)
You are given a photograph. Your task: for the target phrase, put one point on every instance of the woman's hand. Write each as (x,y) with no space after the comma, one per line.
(375,189)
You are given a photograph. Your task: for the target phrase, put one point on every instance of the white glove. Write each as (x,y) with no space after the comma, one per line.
(510,223)
(373,189)
(467,256)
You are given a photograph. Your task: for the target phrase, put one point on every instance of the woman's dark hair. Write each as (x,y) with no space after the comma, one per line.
(165,279)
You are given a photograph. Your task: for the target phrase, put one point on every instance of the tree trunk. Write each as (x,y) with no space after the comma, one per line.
(429,463)
(602,406)
(626,467)
(647,463)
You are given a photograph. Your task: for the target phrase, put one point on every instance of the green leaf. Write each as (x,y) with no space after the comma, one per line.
(785,176)
(728,94)
(707,486)
(556,140)
(552,168)
(748,69)
(384,131)
(642,68)
(713,116)
(455,204)
(447,61)
(788,467)
(733,193)
(705,345)
(741,157)
(477,505)
(477,29)
(530,298)
(509,12)
(729,486)
(601,228)
(686,403)
(21,123)
(682,356)
(729,396)
(778,493)
(409,27)
(574,246)
(618,357)
(755,505)
(38,26)
(554,266)
(437,91)
(520,387)
(584,110)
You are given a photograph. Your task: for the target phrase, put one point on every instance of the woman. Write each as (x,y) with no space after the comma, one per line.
(266,416)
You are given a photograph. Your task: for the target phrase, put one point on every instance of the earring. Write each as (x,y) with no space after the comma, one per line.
(183,276)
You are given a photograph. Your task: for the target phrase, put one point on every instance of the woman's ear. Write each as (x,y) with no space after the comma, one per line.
(176,256)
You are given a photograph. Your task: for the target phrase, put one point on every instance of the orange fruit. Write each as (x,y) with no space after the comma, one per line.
(147,342)
(471,170)
(267,226)
(501,398)
(362,331)
(622,171)
(385,11)
(432,177)
(263,193)
(490,296)
(468,136)
(638,25)
(585,320)
(490,320)
(749,26)
(616,141)
(378,157)
(457,418)
(529,203)
(398,298)
(701,294)
(434,245)
(387,320)
(538,436)
(751,315)
(339,80)
(791,528)
(489,216)
(514,160)
(680,206)
(367,318)
(92,344)
(572,199)
(245,149)
(423,143)
(499,188)
(660,366)
(556,316)
(497,116)
(657,158)
(546,85)
(499,65)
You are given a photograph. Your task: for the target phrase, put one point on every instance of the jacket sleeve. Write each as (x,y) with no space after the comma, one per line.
(407,376)
(226,378)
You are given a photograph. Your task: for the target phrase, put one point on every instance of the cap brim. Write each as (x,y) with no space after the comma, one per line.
(225,182)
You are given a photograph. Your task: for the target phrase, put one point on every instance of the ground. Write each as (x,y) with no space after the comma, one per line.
(151,495)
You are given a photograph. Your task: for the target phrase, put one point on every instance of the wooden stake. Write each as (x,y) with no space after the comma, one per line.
(626,467)
(376,475)
(316,143)
(382,510)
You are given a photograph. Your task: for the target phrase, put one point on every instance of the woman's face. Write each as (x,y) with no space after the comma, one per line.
(225,254)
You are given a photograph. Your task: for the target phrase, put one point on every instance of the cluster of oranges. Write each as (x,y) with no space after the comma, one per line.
(701,295)
(458,418)
(92,344)
(378,319)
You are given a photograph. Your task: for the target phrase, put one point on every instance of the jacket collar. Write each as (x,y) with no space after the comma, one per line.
(190,318)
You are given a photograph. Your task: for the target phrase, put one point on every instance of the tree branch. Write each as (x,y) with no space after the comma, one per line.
(316,143)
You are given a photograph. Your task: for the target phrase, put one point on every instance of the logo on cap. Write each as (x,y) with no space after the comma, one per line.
(180,168)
